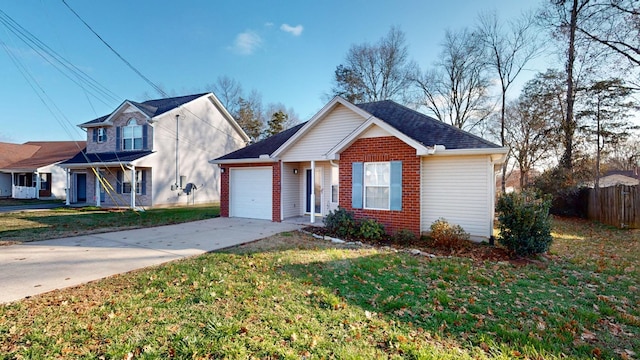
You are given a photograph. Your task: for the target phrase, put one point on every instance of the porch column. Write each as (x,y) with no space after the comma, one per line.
(13,185)
(313,191)
(133,187)
(37,185)
(67,190)
(97,191)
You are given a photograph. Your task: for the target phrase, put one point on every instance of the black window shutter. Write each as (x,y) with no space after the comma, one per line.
(118,142)
(119,182)
(145,129)
(143,191)
(95,135)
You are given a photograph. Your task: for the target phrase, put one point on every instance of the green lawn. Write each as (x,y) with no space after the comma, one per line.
(16,202)
(47,224)
(291,296)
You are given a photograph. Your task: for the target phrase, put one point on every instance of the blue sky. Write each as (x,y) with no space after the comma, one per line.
(287,50)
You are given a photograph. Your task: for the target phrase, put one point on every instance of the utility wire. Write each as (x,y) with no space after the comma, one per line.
(157,88)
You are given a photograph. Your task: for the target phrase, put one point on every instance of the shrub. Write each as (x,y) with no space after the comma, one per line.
(404,236)
(370,229)
(341,223)
(525,226)
(447,235)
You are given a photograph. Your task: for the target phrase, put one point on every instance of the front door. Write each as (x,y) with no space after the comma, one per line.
(317,189)
(81,187)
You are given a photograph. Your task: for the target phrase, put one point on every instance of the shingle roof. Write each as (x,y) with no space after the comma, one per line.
(418,126)
(266,146)
(49,152)
(10,153)
(423,128)
(154,107)
(107,157)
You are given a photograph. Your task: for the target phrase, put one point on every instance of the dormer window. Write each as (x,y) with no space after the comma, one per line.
(132,136)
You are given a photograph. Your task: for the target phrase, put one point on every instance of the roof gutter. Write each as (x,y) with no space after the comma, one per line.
(436,151)
(261,159)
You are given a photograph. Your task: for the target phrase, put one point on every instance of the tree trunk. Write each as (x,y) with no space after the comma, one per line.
(568,127)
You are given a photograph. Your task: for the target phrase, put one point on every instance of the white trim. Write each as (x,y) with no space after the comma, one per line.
(483,151)
(317,118)
(364,186)
(355,135)
(243,161)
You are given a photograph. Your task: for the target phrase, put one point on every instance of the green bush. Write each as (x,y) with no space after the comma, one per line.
(448,235)
(525,226)
(370,229)
(341,223)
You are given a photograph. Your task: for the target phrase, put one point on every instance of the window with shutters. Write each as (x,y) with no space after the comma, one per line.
(377,182)
(126,183)
(101,135)
(132,136)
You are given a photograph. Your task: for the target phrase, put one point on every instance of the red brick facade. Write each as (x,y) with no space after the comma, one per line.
(224,188)
(385,149)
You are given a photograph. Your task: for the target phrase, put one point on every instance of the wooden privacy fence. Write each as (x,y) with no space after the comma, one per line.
(615,205)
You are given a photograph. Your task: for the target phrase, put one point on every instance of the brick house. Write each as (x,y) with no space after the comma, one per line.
(154,153)
(378,160)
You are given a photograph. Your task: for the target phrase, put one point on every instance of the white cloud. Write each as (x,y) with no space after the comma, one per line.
(293,30)
(268,24)
(247,42)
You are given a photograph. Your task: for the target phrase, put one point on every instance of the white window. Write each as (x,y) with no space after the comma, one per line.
(126,184)
(377,182)
(102,135)
(335,181)
(132,136)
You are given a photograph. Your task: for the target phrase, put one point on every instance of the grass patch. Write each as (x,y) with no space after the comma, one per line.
(62,222)
(17,202)
(291,296)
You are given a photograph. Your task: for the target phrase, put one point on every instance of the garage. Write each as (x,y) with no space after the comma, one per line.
(250,192)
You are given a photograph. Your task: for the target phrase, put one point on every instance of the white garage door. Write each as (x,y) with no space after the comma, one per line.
(250,193)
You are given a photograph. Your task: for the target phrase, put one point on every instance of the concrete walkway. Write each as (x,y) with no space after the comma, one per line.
(44,206)
(34,268)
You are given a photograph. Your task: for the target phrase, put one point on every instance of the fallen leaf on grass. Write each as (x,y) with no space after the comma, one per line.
(588,336)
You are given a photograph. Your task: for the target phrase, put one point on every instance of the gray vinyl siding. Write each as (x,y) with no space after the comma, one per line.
(291,205)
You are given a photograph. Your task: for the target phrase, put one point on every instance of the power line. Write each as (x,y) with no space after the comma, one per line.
(157,88)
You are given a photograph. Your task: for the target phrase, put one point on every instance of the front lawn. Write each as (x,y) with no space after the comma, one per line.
(62,222)
(291,296)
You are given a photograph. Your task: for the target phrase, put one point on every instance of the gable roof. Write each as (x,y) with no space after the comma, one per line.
(424,129)
(151,108)
(47,153)
(410,124)
(264,147)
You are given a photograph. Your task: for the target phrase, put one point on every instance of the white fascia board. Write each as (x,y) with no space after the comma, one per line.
(318,117)
(243,161)
(502,151)
(346,142)
(214,99)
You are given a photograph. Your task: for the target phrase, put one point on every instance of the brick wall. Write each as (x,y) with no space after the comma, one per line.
(385,149)
(224,189)
(110,144)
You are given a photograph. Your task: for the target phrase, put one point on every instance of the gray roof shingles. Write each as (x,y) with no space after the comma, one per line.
(154,107)
(420,127)
(108,157)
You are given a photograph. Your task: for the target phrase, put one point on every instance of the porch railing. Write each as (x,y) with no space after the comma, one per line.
(23,192)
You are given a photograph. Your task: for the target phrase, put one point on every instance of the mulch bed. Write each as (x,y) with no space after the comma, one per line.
(467,249)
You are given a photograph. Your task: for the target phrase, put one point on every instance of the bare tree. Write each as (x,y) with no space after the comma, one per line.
(508,51)
(229,92)
(456,89)
(380,71)
(607,106)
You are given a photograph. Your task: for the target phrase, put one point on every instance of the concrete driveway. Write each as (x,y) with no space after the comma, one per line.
(38,267)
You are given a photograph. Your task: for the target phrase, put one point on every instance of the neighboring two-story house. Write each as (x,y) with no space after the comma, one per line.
(154,153)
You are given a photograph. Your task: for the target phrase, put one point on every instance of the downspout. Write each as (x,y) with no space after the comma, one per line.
(313,192)
(177,157)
